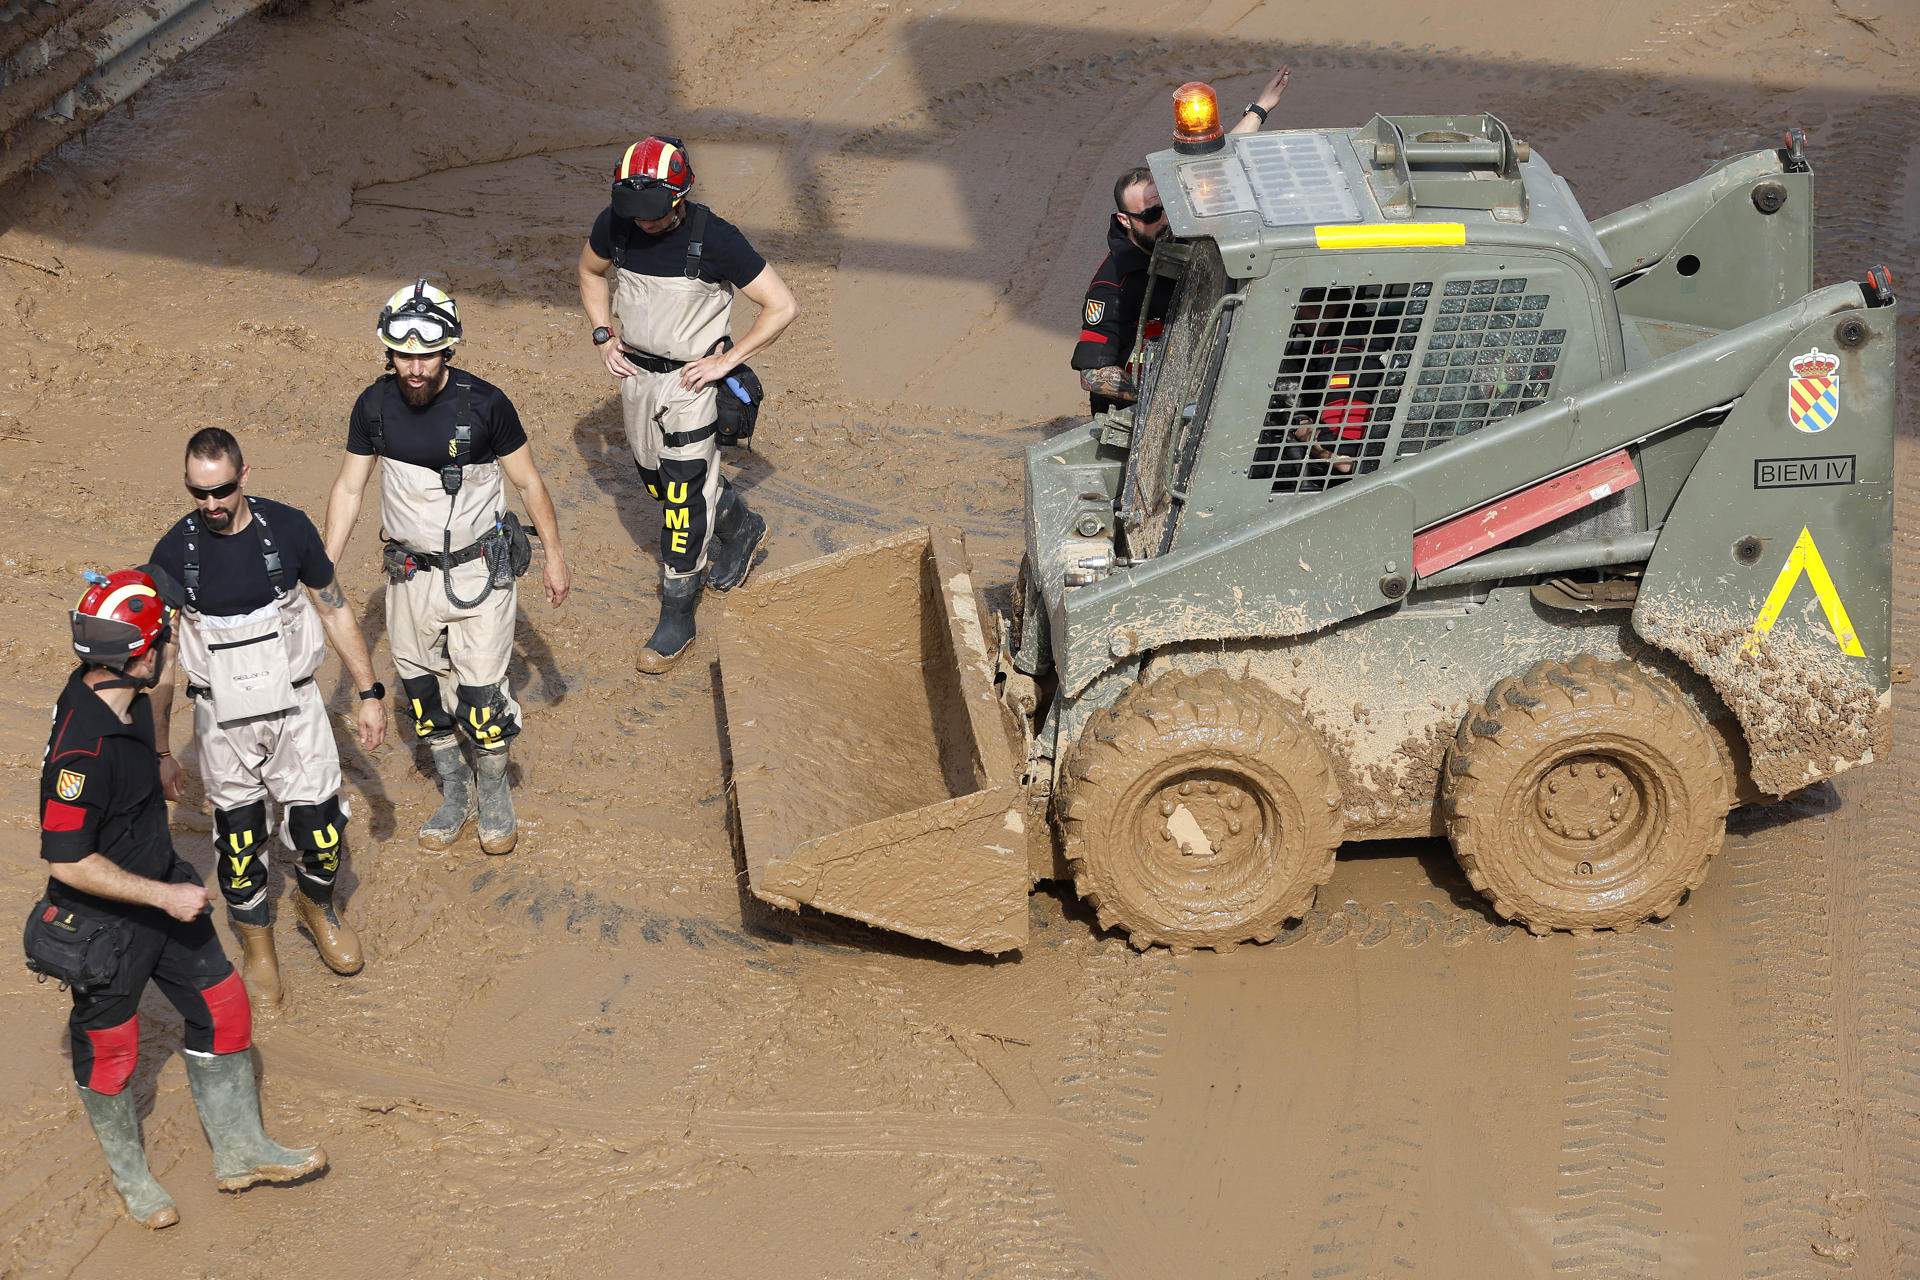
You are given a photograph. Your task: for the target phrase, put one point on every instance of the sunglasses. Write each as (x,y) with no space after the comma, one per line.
(218,491)
(1148,216)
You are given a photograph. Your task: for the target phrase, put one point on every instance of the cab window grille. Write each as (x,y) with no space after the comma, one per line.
(1344,371)
(1489,356)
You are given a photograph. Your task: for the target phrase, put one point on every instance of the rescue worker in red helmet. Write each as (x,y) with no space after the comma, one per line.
(1110,312)
(657,277)
(445,441)
(122,908)
(251,643)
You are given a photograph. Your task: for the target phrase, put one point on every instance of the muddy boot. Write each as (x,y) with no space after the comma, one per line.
(498,829)
(259,962)
(457,805)
(118,1128)
(229,1101)
(737,535)
(338,944)
(670,639)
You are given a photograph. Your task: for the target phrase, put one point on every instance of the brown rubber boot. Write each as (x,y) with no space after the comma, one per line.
(259,962)
(674,634)
(338,944)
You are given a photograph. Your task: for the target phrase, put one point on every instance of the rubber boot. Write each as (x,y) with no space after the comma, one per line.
(737,535)
(117,1126)
(457,805)
(670,638)
(229,1101)
(259,962)
(498,828)
(333,938)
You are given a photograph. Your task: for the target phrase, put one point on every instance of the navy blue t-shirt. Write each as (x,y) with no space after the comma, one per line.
(233,566)
(725,254)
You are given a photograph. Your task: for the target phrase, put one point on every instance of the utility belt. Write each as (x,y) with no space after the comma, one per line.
(202,691)
(508,551)
(737,409)
(650,362)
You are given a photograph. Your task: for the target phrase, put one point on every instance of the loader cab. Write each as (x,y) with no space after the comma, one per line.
(1349,299)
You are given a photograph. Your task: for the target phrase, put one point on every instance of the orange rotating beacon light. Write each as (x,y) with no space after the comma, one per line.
(1196,119)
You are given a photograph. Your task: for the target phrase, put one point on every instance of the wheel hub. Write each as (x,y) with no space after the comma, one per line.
(1587,798)
(1203,821)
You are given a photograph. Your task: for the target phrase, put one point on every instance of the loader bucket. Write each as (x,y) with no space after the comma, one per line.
(872,773)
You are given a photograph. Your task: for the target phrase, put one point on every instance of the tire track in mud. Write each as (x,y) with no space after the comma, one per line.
(1106,1215)
(1117,1039)
(1615,1128)
(1455,925)
(1783,989)
(1373,1180)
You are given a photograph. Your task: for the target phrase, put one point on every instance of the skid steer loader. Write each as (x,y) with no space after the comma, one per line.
(1443,511)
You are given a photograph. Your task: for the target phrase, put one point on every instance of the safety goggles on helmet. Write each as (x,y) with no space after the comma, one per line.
(417,323)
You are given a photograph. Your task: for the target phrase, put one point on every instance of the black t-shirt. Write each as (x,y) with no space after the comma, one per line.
(100,793)
(1111,310)
(422,436)
(725,254)
(233,566)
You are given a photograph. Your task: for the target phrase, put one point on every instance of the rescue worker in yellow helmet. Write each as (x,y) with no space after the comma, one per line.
(443,439)
(657,278)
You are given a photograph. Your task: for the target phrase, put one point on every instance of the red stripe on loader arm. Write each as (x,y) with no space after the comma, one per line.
(1466,536)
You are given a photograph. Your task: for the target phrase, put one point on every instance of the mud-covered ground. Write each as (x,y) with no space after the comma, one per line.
(594,1057)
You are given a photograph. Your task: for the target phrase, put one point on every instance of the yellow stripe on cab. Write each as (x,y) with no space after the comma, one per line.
(1390,235)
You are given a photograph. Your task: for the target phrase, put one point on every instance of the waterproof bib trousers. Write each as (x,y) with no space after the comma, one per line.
(263,734)
(451,657)
(673,431)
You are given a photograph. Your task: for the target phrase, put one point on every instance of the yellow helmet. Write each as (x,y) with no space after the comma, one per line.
(419,319)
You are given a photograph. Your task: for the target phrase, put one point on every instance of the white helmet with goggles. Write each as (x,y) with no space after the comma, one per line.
(419,320)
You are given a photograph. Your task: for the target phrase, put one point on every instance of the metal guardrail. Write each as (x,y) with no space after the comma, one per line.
(65,63)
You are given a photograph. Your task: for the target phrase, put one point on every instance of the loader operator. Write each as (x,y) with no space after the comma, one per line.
(657,278)
(453,552)
(122,908)
(251,645)
(1110,311)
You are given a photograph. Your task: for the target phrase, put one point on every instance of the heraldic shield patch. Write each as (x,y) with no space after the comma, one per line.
(1813,391)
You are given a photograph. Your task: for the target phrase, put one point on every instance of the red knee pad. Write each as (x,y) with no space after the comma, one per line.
(116,1051)
(232,1015)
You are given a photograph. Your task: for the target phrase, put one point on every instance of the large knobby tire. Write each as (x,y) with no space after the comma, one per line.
(1200,811)
(1585,795)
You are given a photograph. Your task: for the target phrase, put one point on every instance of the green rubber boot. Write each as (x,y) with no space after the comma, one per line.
(457,804)
(499,830)
(229,1101)
(118,1127)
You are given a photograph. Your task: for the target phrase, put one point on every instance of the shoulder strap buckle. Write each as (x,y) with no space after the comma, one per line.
(696,239)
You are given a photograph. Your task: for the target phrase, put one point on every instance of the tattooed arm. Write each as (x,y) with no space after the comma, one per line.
(1110,381)
(343,633)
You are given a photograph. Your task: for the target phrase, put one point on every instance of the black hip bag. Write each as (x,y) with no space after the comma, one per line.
(74,946)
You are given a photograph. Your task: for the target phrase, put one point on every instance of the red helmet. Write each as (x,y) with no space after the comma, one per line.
(654,174)
(1346,418)
(120,617)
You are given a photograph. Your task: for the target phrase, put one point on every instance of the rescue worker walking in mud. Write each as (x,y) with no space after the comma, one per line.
(251,645)
(122,908)
(1110,311)
(443,437)
(657,278)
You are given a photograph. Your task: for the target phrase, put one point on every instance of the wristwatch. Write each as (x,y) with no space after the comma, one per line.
(1255,109)
(602,336)
(377,692)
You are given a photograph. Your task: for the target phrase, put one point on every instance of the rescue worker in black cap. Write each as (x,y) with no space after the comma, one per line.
(250,642)
(122,907)
(1110,312)
(657,278)
(444,439)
